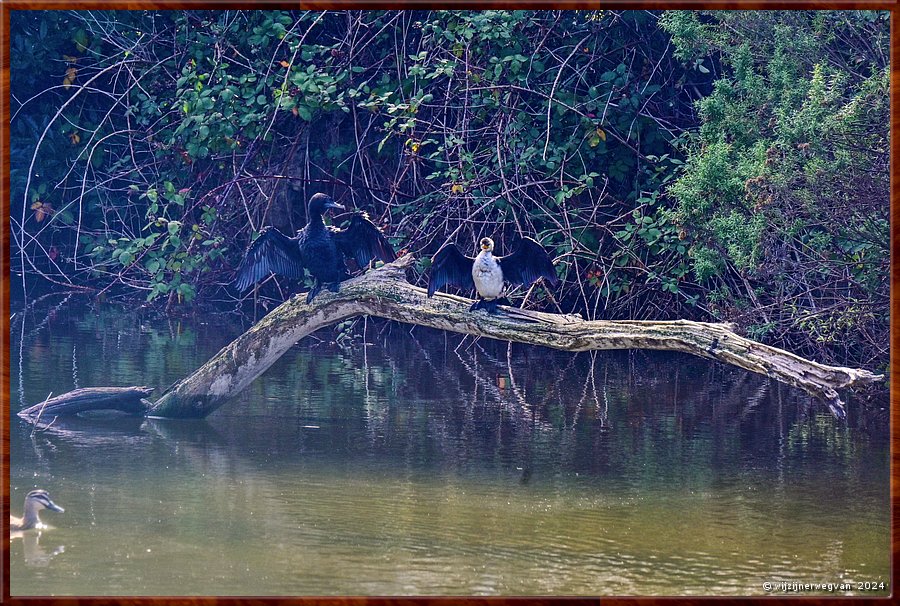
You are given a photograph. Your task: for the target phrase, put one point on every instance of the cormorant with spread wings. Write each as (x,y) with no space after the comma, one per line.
(486,274)
(317,248)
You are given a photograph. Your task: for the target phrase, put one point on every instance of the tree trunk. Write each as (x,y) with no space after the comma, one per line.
(384,292)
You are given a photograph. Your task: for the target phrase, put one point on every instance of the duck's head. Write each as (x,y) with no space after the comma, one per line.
(319,203)
(40,499)
(486,244)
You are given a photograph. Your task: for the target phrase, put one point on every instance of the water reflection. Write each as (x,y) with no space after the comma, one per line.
(32,552)
(414,462)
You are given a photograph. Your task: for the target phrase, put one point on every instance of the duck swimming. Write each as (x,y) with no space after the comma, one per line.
(318,248)
(35,501)
(486,273)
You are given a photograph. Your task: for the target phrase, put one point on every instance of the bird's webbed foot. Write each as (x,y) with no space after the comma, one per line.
(489,306)
(315,290)
(332,286)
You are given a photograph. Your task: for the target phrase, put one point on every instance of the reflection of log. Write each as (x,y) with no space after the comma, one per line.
(125,399)
(385,293)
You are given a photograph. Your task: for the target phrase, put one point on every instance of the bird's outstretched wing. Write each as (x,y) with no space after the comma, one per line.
(526,263)
(271,252)
(362,241)
(449,266)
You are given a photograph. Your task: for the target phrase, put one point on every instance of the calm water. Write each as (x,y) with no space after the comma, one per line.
(424,464)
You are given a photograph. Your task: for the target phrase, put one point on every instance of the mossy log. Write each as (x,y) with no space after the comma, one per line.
(384,292)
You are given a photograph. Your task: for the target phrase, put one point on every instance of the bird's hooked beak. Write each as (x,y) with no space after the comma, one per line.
(332,204)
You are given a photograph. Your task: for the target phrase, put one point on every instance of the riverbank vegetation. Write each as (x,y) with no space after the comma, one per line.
(716,166)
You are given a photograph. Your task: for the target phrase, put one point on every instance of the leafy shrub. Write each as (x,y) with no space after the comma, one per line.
(785,188)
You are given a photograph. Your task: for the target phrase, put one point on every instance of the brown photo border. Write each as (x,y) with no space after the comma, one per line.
(9,5)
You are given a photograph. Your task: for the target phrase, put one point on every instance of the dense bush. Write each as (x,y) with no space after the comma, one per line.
(785,188)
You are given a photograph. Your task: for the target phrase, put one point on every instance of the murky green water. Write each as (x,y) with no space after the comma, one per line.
(416,465)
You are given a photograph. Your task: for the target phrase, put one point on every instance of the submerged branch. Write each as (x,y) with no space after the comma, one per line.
(130,400)
(384,292)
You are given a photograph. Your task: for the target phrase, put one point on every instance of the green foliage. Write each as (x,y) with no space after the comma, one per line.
(786,185)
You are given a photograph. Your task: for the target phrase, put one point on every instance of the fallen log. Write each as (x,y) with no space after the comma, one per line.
(131,400)
(384,292)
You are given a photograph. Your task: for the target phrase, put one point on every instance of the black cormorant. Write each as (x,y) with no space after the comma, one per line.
(318,248)
(486,273)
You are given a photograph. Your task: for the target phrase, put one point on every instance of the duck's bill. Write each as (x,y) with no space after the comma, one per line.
(54,507)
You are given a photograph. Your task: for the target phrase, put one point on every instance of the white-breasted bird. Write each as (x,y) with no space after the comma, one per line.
(487,274)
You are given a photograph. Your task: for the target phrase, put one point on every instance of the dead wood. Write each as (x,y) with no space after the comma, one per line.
(130,400)
(384,292)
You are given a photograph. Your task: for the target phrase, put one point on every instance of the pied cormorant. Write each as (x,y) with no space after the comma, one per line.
(486,273)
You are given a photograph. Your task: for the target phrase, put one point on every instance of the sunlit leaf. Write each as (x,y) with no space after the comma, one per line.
(70,77)
(42,210)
